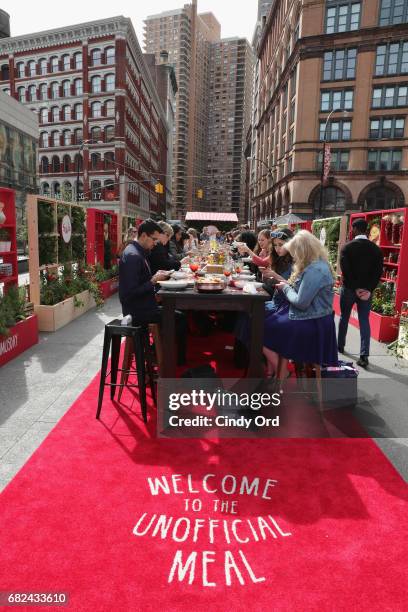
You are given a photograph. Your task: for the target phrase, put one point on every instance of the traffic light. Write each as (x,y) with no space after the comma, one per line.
(200,194)
(159,188)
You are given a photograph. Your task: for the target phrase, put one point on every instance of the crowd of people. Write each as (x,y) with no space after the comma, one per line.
(295,271)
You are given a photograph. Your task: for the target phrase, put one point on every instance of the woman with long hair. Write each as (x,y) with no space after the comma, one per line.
(261,254)
(280,268)
(305,331)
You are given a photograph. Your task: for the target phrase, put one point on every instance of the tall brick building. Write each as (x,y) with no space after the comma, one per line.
(231,75)
(344,66)
(98,110)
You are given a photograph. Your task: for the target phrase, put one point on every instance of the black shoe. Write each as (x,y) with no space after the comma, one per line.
(341,349)
(363,361)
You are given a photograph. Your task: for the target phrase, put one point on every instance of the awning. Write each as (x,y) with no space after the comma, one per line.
(211,216)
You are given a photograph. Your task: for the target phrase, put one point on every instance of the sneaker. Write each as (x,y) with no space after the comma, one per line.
(363,361)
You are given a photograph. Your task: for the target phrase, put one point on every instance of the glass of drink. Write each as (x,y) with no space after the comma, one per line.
(194,266)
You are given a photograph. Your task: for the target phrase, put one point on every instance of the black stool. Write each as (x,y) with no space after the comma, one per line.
(114,332)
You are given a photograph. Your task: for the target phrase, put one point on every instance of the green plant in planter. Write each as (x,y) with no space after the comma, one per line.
(78,248)
(78,220)
(383,300)
(45,218)
(64,250)
(11,309)
(47,247)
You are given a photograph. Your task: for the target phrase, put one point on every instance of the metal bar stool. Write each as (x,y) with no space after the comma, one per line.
(139,335)
(128,355)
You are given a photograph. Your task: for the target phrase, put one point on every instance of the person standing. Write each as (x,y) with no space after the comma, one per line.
(361,263)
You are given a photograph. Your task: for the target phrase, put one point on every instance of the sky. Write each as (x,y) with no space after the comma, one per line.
(48,14)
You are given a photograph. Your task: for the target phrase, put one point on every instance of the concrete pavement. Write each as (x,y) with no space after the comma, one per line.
(37,388)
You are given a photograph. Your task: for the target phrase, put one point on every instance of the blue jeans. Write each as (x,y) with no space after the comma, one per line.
(347,300)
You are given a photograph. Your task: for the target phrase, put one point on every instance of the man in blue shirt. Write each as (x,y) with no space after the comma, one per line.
(136,284)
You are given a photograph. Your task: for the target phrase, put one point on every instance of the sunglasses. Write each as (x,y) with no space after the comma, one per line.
(280,235)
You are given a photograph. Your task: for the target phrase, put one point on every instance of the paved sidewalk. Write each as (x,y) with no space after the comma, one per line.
(37,388)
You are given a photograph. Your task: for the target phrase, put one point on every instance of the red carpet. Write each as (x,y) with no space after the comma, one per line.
(68,519)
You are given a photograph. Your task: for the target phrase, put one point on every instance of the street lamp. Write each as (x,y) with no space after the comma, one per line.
(81,148)
(345,114)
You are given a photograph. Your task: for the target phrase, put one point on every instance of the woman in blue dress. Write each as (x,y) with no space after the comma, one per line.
(304,331)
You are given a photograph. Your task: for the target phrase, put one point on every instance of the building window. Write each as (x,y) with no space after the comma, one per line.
(44,115)
(55,139)
(32,93)
(96,190)
(66,89)
(95,159)
(54,90)
(109,160)
(45,189)
(110,108)
(380,198)
(20,70)
(66,163)
(380,159)
(96,109)
(55,114)
(336,130)
(393,11)
(339,160)
(44,140)
(66,62)
(21,94)
(110,55)
(67,137)
(96,57)
(54,64)
(78,137)
(96,84)
(44,165)
(78,87)
(342,16)
(110,82)
(43,91)
(109,133)
(333,202)
(336,100)
(96,133)
(32,68)
(392,59)
(43,66)
(66,113)
(389,97)
(339,65)
(78,60)
(387,127)
(78,111)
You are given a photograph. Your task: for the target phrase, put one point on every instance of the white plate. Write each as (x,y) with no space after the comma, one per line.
(241,283)
(245,277)
(179,275)
(172,285)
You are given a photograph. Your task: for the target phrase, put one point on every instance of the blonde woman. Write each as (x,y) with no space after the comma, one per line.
(304,331)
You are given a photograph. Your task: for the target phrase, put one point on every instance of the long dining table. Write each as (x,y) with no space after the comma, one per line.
(230,299)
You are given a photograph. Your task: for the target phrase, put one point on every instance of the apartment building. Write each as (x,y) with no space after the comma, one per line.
(334,71)
(100,118)
(231,77)
(186,36)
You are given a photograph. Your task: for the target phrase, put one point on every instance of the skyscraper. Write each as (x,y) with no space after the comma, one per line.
(186,37)
(231,75)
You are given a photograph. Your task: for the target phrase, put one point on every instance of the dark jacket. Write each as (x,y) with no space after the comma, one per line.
(361,262)
(176,249)
(160,259)
(136,291)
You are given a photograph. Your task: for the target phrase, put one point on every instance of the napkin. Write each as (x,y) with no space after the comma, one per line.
(249,288)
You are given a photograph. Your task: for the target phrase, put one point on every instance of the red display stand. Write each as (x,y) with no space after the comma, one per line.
(21,337)
(109,287)
(8,241)
(304,225)
(393,242)
(95,221)
(383,328)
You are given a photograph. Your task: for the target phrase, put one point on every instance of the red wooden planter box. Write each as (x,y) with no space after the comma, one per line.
(109,287)
(22,337)
(383,329)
